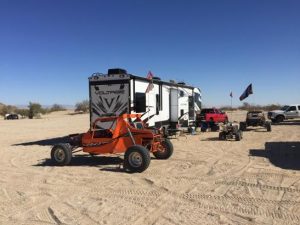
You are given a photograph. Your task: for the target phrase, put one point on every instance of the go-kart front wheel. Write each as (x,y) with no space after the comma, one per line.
(137,159)
(61,154)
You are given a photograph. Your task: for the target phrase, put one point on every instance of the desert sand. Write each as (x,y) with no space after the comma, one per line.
(206,181)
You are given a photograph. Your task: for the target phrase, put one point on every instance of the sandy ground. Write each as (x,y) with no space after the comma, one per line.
(254,181)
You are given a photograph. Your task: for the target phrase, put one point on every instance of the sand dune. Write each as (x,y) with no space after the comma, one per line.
(254,181)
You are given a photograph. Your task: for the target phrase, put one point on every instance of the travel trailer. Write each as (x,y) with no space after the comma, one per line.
(162,104)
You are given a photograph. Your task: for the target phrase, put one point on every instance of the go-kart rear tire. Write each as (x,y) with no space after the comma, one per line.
(268,126)
(137,159)
(61,154)
(167,151)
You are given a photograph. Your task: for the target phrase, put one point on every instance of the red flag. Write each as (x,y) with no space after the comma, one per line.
(149,75)
(150,85)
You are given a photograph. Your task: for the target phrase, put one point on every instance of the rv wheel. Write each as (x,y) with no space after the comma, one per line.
(61,154)
(166,150)
(137,159)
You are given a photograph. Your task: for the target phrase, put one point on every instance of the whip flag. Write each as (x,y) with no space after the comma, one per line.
(247,92)
(150,85)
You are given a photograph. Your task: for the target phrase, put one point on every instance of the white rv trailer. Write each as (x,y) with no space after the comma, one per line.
(166,104)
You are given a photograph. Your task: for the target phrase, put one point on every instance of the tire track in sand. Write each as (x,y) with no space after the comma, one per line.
(261,186)
(217,203)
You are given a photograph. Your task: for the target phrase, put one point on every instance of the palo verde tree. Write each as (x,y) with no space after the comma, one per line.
(34,109)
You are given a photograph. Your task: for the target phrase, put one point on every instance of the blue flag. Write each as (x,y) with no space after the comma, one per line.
(247,92)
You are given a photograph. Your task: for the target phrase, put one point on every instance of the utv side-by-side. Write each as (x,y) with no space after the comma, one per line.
(255,119)
(126,134)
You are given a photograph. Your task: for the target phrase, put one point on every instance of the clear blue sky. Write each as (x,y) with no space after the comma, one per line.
(48,49)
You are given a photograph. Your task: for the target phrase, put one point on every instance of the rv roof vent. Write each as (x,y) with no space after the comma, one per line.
(182,83)
(116,71)
(156,78)
(173,81)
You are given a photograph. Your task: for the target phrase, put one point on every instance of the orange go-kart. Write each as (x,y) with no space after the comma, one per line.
(126,134)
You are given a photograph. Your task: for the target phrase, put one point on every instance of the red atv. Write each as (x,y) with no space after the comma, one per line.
(122,136)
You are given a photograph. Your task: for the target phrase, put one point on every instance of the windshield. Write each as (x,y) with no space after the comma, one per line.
(284,107)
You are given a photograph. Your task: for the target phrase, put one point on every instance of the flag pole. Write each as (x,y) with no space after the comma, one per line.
(231,95)
(231,107)
(231,102)
(149,88)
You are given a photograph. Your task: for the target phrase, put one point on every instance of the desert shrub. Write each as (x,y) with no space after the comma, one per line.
(34,110)
(228,108)
(82,106)
(247,106)
(56,107)
(7,109)
(22,112)
(272,107)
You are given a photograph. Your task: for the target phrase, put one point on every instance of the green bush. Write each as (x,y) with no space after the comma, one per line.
(83,106)
(56,107)
(22,112)
(247,106)
(34,110)
(7,109)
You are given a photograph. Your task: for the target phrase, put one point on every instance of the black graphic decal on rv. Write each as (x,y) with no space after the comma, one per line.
(109,103)
(109,99)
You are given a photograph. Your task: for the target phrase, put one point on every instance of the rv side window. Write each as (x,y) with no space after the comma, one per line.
(140,102)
